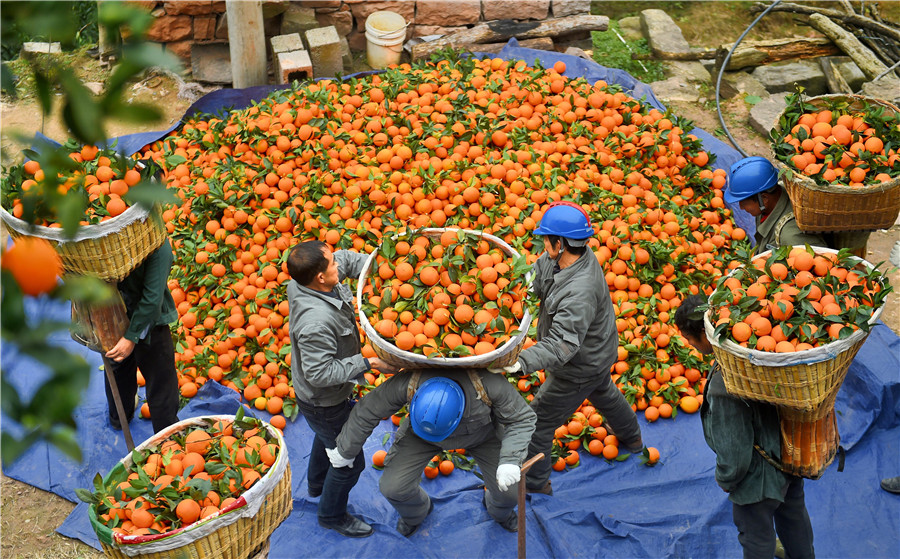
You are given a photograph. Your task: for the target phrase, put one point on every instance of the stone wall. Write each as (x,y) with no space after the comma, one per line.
(181,24)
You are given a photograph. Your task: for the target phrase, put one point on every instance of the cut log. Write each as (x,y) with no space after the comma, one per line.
(888,30)
(758,53)
(705,54)
(541,43)
(864,58)
(503,30)
(836,82)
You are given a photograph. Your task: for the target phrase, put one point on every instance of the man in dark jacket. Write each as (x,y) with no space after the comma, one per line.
(577,342)
(325,364)
(147,343)
(448,409)
(746,437)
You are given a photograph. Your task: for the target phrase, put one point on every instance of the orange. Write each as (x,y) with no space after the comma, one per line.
(34,264)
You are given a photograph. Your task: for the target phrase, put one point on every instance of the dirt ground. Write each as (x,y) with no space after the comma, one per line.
(30,516)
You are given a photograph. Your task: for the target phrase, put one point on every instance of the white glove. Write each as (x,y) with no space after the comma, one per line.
(509,369)
(895,254)
(337,460)
(508,475)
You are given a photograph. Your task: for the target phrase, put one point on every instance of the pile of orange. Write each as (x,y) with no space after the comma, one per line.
(190,476)
(840,145)
(796,299)
(450,294)
(100,178)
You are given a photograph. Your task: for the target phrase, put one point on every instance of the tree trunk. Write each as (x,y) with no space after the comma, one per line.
(541,43)
(890,31)
(504,29)
(836,82)
(864,58)
(247,43)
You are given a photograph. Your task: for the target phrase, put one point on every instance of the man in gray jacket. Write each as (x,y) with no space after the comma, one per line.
(448,409)
(325,363)
(576,339)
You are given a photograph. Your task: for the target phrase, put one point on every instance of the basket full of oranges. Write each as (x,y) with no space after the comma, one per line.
(445,298)
(210,486)
(785,327)
(114,235)
(838,157)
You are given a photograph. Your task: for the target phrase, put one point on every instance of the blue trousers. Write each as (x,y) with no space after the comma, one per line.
(334,483)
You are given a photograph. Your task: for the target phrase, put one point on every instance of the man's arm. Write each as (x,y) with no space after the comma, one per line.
(350,263)
(512,411)
(379,403)
(731,438)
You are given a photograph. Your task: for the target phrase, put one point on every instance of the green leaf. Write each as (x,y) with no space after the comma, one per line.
(86,496)
(752,99)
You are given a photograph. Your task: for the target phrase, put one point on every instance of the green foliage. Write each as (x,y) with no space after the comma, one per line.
(612,52)
(73,23)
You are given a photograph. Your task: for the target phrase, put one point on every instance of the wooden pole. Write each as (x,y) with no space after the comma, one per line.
(521,508)
(246,42)
(114,388)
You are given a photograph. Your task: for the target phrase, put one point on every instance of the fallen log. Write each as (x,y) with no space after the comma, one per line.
(705,54)
(504,29)
(541,43)
(834,79)
(754,53)
(853,19)
(861,55)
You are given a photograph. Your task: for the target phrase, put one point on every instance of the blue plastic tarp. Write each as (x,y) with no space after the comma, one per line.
(599,509)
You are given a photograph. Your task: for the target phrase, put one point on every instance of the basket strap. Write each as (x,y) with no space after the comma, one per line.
(775,464)
(779,225)
(479,387)
(412,386)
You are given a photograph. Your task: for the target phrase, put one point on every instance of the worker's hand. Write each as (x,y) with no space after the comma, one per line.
(121,350)
(508,475)
(337,460)
(383,366)
(513,369)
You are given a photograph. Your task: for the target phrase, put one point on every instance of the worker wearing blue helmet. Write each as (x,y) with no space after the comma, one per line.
(577,341)
(753,184)
(448,409)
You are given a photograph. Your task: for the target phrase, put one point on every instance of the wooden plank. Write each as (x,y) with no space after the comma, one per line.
(246,43)
(503,30)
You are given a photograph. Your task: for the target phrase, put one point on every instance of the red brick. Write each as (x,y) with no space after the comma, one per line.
(218,6)
(147,5)
(361,11)
(181,49)
(189,7)
(167,29)
(515,9)
(204,28)
(438,12)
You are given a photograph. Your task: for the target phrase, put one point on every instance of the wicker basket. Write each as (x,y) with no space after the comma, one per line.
(234,533)
(503,356)
(836,207)
(801,381)
(809,446)
(109,251)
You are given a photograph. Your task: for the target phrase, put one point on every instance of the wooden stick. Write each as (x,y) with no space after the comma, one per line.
(120,409)
(857,20)
(864,58)
(504,29)
(521,509)
(836,82)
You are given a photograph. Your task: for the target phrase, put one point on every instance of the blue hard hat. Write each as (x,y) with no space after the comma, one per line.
(750,176)
(436,409)
(568,220)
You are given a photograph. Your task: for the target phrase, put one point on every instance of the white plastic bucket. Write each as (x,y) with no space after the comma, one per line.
(385,33)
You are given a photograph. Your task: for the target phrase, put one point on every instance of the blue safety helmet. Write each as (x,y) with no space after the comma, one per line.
(750,176)
(436,409)
(568,220)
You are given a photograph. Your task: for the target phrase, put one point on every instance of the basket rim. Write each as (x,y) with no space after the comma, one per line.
(804,357)
(136,213)
(465,361)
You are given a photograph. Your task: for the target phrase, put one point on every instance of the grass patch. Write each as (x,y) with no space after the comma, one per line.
(610,51)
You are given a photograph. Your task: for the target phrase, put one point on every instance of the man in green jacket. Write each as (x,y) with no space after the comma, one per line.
(746,437)
(754,186)
(147,343)
(577,342)
(448,409)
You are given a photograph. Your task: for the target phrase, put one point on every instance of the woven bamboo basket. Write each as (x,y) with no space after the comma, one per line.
(800,381)
(808,447)
(836,207)
(109,251)
(503,356)
(234,533)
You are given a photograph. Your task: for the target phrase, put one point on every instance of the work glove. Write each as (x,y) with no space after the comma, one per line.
(337,460)
(509,369)
(895,254)
(508,475)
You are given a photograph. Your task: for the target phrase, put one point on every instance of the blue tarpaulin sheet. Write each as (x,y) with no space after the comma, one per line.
(599,509)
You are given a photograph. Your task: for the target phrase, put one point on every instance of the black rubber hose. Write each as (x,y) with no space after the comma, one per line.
(722,71)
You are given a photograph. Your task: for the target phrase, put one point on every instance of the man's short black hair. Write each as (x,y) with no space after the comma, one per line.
(688,319)
(306,261)
(577,251)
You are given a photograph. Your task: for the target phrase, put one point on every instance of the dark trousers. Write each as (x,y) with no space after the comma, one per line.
(334,483)
(790,520)
(156,358)
(557,399)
